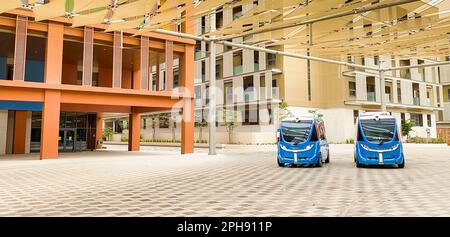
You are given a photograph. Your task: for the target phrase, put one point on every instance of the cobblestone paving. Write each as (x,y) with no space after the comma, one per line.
(159,182)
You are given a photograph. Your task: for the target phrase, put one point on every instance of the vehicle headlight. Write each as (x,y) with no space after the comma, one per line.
(365,147)
(394,147)
(309,147)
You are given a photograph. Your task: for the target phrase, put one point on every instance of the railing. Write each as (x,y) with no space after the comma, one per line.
(237,70)
(371,96)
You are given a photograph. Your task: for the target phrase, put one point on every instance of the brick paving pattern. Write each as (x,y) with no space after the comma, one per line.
(237,182)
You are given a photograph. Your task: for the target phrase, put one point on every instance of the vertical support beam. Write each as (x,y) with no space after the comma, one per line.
(188,26)
(50,124)
(134,131)
(382,92)
(88,55)
(169,65)
(20,48)
(54,55)
(158,73)
(3,131)
(146,84)
(212,99)
(187,82)
(20,126)
(99,131)
(117,59)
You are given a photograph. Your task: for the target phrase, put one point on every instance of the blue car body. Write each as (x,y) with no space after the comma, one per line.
(306,151)
(387,150)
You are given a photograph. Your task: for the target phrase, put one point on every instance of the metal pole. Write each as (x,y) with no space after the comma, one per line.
(382,91)
(212,90)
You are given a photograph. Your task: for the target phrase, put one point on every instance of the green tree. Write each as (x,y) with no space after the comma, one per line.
(107,133)
(407,127)
(283,111)
(202,124)
(228,118)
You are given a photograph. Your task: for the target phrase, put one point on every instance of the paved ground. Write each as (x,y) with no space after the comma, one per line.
(159,182)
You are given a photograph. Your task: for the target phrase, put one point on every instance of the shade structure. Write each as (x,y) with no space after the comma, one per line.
(9,5)
(50,10)
(137,8)
(169,5)
(90,19)
(83,5)
(125,25)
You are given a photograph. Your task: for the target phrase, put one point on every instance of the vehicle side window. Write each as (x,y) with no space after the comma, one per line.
(314,134)
(359,136)
(322,133)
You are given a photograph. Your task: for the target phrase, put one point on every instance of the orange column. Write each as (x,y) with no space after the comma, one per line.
(50,125)
(169,65)
(134,132)
(187,124)
(52,98)
(99,131)
(20,128)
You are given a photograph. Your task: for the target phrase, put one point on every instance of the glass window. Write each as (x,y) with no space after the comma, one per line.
(418,119)
(296,132)
(35,59)
(429,120)
(7,55)
(352,88)
(378,130)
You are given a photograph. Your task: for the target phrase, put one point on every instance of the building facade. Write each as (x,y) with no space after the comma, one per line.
(443,124)
(254,84)
(57,81)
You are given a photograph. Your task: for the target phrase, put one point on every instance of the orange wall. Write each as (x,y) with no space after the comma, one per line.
(69,74)
(104,77)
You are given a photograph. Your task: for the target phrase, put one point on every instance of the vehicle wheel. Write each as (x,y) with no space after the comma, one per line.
(402,165)
(328,158)
(319,161)
(280,164)
(358,165)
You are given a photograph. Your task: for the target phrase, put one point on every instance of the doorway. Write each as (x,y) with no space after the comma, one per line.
(67,140)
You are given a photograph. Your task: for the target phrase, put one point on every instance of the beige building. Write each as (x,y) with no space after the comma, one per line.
(443,123)
(254,83)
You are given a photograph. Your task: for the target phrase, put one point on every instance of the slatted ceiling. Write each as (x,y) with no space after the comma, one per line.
(90,19)
(169,4)
(50,10)
(137,8)
(83,5)
(126,25)
(208,5)
(9,5)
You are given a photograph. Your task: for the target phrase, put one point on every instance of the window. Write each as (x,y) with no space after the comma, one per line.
(376,60)
(251,116)
(228,93)
(203,24)
(402,117)
(176,78)
(237,12)
(35,58)
(352,89)
(7,55)
(429,120)
(271,60)
(355,116)
(256,60)
(399,93)
(219,19)
(448,94)
(248,89)
(237,63)
(418,119)
(164,121)
(203,71)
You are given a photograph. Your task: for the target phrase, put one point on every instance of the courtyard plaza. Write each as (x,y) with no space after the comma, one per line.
(239,181)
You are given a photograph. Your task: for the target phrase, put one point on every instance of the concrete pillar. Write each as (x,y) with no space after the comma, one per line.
(3,130)
(361,87)
(52,98)
(134,132)
(20,48)
(99,130)
(117,60)
(394,91)
(187,81)
(88,55)
(169,65)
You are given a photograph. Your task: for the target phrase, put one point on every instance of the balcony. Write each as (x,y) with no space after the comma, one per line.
(237,70)
(371,96)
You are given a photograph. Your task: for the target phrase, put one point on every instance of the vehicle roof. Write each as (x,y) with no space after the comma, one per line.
(375,115)
(300,118)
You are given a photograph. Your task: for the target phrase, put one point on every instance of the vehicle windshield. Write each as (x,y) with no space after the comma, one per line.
(378,130)
(296,132)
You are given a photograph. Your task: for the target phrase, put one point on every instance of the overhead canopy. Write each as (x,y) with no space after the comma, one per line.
(329,27)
